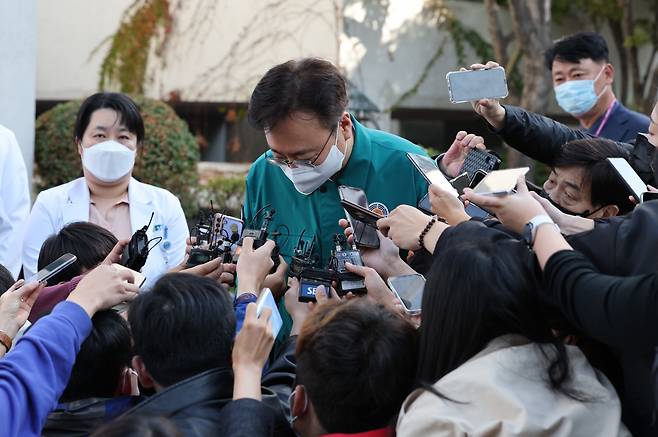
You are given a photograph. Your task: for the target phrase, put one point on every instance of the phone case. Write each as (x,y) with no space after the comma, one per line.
(455,98)
(480,160)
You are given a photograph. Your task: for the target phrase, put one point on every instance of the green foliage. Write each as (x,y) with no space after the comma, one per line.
(126,61)
(226,193)
(167,158)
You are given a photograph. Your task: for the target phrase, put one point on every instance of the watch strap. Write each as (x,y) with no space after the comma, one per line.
(5,340)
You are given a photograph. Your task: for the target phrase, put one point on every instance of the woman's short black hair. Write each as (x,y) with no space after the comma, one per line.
(90,243)
(127,109)
(573,48)
(6,279)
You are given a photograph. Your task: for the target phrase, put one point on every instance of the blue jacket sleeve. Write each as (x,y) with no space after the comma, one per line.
(240,313)
(35,372)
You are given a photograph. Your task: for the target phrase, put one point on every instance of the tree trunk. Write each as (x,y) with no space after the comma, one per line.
(532,27)
(618,38)
(634,65)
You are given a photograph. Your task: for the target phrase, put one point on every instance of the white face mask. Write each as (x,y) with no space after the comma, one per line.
(309,179)
(108,161)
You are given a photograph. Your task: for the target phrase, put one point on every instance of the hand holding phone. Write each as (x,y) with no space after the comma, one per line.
(53,268)
(500,182)
(266,300)
(471,85)
(409,291)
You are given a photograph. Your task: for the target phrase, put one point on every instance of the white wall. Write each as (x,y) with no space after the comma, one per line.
(17,71)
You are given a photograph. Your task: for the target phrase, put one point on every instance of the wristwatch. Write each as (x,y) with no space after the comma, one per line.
(530,229)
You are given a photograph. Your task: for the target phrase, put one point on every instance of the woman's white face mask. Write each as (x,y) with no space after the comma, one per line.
(108,161)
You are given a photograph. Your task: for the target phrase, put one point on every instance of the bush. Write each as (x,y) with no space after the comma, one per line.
(226,193)
(168,157)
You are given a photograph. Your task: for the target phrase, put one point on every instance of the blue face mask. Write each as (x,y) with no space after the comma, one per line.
(578,96)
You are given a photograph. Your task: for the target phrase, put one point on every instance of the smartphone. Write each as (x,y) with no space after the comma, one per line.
(471,209)
(460,182)
(428,168)
(500,182)
(477,178)
(633,182)
(470,85)
(649,195)
(266,300)
(231,229)
(308,289)
(480,160)
(409,291)
(360,213)
(364,235)
(53,268)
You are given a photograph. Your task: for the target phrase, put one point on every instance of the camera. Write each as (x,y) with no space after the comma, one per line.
(260,237)
(216,235)
(135,253)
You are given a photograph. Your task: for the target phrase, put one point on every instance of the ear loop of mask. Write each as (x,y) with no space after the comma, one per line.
(291,400)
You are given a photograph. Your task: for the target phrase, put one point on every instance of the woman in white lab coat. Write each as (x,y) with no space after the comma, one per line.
(109,130)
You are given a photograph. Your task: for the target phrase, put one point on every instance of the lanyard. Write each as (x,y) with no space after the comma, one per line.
(605,118)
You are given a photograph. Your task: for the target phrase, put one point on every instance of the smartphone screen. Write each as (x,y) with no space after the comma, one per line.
(500,181)
(467,86)
(427,167)
(632,181)
(53,268)
(231,228)
(409,289)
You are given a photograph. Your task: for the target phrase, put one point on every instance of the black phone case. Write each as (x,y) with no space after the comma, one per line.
(479,160)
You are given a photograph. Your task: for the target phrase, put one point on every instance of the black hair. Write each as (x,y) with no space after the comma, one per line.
(477,290)
(127,109)
(310,84)
(103,357)
(194,320)
(139,426)
(573,48)
(6,279)
(356,361)
(590,155)
(90,243)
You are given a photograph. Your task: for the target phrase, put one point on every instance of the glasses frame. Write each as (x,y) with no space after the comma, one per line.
(309,163)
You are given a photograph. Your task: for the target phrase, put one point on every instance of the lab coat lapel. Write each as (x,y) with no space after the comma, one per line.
(141,207)
(77,203)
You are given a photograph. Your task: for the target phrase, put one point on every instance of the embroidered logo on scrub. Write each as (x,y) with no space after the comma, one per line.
(379,208)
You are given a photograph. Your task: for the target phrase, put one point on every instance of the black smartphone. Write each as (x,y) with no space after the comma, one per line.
(360,213)
(365,235)
(480,160)
(460,182)
(425,205)
(649,195)
(477,178)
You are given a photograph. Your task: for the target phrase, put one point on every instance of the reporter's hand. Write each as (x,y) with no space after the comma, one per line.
(298,310)
(454,158)
(250,351)
(445,205)
(16,304)
(277,282)
(114,257)
(378,291)
(213,269)
(513,210)
(104,287)
(253,266)
(490,109)
(404,225)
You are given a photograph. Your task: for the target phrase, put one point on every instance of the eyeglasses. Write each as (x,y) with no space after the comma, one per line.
(309,163)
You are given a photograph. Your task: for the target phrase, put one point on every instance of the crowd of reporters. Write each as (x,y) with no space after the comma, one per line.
(547,329)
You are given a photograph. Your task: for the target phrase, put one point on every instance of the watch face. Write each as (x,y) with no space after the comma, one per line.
(527,233)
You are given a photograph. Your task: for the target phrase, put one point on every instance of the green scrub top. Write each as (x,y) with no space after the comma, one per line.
(378,164)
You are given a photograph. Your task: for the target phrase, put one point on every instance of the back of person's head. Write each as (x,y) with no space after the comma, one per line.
(476,291)
(6,279)
(90,243)
(139,426)
(590,155)
(123,105)
(574,48)
(309,85)
(184,326)
(102,359)
(356,362)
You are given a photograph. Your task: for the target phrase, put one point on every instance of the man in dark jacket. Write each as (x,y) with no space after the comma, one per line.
(183,333)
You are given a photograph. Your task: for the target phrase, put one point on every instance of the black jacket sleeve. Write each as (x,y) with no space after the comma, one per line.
(246,418)
(618,311)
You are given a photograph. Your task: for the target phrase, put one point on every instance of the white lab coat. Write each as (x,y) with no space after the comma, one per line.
(14,201)
(68,203)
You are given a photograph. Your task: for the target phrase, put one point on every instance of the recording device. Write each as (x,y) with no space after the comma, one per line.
(216,237)
(470,85)
(347,281)
(500,182)
(428,168)
(365,235)
(135,253)
(633,182)
(480,160)
(409,291)
(53,268)
(308,288)
(260,237)
(303,257)
(266,300)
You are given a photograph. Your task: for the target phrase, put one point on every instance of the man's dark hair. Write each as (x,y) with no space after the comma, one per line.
(591,155)
(139,426)
(184,326)
(573,48)
(127,109)
(6,279)
(90,243)
(103,357)
(310,84)
(356,361)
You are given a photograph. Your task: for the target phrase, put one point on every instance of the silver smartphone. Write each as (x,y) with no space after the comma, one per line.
(633,182)
(430,171)
(53,268)
(409,291)
(470,85)
(500,182)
